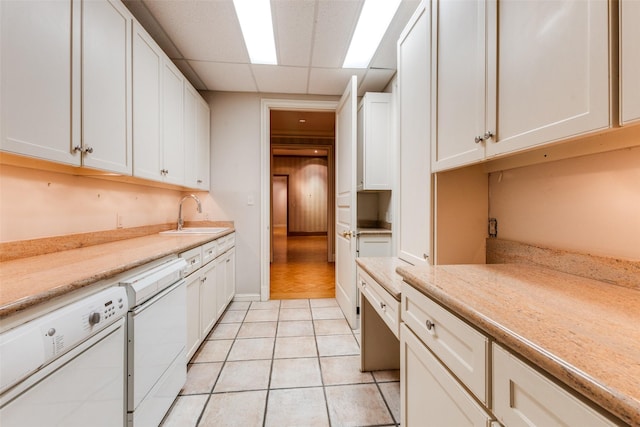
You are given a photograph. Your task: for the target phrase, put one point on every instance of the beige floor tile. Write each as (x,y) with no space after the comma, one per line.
(252,349)
(331,327)
(224,331)
(243,409)
(201,377)
(295,314)
(185,411)
(294,303)
(266,315)
(343,370)
(243,376)
(258,330)
(337,345)
(297,407)
(323,302)
(213,351)
(298,328)
(291,373)
(387,376)
(239,305)
(233,317)
(291,347)
(357,405)
(273,304)
(326,313)
(391,393)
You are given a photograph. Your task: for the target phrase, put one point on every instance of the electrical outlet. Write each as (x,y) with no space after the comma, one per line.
(493,227)
(119,221)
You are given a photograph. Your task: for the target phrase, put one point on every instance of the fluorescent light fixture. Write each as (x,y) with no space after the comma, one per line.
(375,17)
(257,30)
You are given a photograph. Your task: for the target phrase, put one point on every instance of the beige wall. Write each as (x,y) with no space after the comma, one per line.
(588,204)
(35,204)
(307,192)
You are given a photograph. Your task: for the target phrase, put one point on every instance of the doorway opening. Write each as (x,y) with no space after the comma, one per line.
(302,204)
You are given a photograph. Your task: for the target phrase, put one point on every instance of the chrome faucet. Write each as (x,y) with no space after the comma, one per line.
(194,197)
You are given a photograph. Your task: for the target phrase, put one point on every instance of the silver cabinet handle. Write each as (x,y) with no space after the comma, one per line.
(478,139)
(488,135)
(383,305)
(88,150)
(430,325)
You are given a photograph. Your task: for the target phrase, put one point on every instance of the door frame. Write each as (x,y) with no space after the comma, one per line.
(266,106)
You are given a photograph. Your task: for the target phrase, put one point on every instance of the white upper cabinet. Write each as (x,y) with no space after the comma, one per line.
(511,75)
(172,124)
(66,85)
(375,142)
(196,139)
(553,72)
(39,118)
(414,94)
(629,61)
(459,73)
(106,86)
(147,81)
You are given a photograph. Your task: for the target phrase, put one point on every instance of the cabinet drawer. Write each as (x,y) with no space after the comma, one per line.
(524,397)
(193,258)
(385,305)
(460,347)
(209,251)
(227,242)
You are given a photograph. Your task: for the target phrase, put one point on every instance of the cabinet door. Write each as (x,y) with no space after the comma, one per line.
(106,86)
(172,124)
(221,278)
(203,141)
(523,397)
(147,83)
(629,61)
(375,142)
(40,54)
(429,395)
(208,298)
(194,335)
(553,72)
(414,96)
(189,136)
(374,245)
(459,73)
(230,283)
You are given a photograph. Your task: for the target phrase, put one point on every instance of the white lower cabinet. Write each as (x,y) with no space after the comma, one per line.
(210,287)
(430,395)
(446,378)
(524,397)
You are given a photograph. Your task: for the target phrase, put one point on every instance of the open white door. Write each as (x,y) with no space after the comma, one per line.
(346,143)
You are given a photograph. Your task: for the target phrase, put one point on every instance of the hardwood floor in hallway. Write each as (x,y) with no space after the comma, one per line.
(300,268)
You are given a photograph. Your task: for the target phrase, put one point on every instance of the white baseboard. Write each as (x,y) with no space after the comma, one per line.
(246,297)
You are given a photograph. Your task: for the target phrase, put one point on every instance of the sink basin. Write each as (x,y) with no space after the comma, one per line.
(197,230)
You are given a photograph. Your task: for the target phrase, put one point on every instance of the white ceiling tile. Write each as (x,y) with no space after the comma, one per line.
(335,22)
(202,30)
(293,28)
(331,81)
(375,80)
(225,77)
(278,79)
(153,27)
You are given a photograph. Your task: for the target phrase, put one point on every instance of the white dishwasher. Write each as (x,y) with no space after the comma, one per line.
(67,367)
(157,338)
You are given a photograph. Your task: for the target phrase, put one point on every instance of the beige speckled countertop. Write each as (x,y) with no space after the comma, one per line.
(26,282)
(383,271)
(583,332)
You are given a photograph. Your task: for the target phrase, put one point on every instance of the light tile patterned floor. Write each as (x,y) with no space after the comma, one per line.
(284,363)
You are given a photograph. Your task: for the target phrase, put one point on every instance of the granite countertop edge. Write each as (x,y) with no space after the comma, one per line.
(612,400)
(16,274)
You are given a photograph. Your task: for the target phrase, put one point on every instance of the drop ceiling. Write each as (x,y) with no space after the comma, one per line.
(204,40)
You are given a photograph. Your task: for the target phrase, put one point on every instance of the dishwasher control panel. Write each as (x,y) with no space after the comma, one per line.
(34,344)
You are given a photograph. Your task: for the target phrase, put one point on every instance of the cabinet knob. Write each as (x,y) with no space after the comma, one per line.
(77,148)
(488,135)
(430,325)
(478,139)
(88,150)
(383,305)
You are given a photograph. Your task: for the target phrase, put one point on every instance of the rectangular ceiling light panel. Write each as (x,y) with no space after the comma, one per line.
(257,30)
(375,17)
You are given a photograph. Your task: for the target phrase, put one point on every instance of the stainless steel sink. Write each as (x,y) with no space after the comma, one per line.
(197,230)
